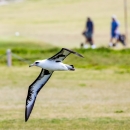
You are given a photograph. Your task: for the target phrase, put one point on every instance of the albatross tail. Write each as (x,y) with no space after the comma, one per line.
(70,67)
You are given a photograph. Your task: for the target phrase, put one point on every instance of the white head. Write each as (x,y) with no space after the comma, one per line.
(36,63)
(114,17)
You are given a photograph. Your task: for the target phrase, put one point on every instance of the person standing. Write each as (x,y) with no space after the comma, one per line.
(114,31)
(88,33)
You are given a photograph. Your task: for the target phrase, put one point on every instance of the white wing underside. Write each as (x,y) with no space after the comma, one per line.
(33,90)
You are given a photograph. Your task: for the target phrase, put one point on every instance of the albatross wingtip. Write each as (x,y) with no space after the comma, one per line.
(26,118)
(27,114)
(80,55)
(73,52)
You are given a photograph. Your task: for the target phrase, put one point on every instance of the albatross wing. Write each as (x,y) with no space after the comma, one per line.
(34,89)
(61,55)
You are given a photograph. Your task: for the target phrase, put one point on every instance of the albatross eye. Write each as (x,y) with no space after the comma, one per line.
(36,63)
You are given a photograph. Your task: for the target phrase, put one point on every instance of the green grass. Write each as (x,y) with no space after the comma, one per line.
(23,43)
(65,124)
(94,97)
(98,100)
(32,50)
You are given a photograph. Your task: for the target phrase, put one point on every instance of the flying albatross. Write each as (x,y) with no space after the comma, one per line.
(48,67)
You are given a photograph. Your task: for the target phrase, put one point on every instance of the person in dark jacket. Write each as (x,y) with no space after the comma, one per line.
(88,33)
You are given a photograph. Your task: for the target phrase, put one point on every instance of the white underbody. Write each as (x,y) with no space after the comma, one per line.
(53,66)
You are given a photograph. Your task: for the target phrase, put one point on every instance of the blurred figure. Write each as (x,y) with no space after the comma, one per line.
(114,31)
(88,33)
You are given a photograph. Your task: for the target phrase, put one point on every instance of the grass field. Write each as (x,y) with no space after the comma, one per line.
(94,97)
(100,58)
(61,22)
(98,100)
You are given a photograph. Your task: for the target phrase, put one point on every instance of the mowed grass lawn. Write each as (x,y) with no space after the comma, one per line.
(81,100)
(94,97)
(61,22)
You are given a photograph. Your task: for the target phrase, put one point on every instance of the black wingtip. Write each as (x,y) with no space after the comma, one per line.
(73,52)
(80,55)
(26,117)
(28,111)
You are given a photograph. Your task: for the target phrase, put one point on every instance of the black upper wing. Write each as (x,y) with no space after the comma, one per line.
(34,89)
(61,55)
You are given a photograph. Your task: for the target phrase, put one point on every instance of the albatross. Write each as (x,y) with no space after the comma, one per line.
(48,66)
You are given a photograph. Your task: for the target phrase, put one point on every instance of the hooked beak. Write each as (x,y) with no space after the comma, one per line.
(31,65)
